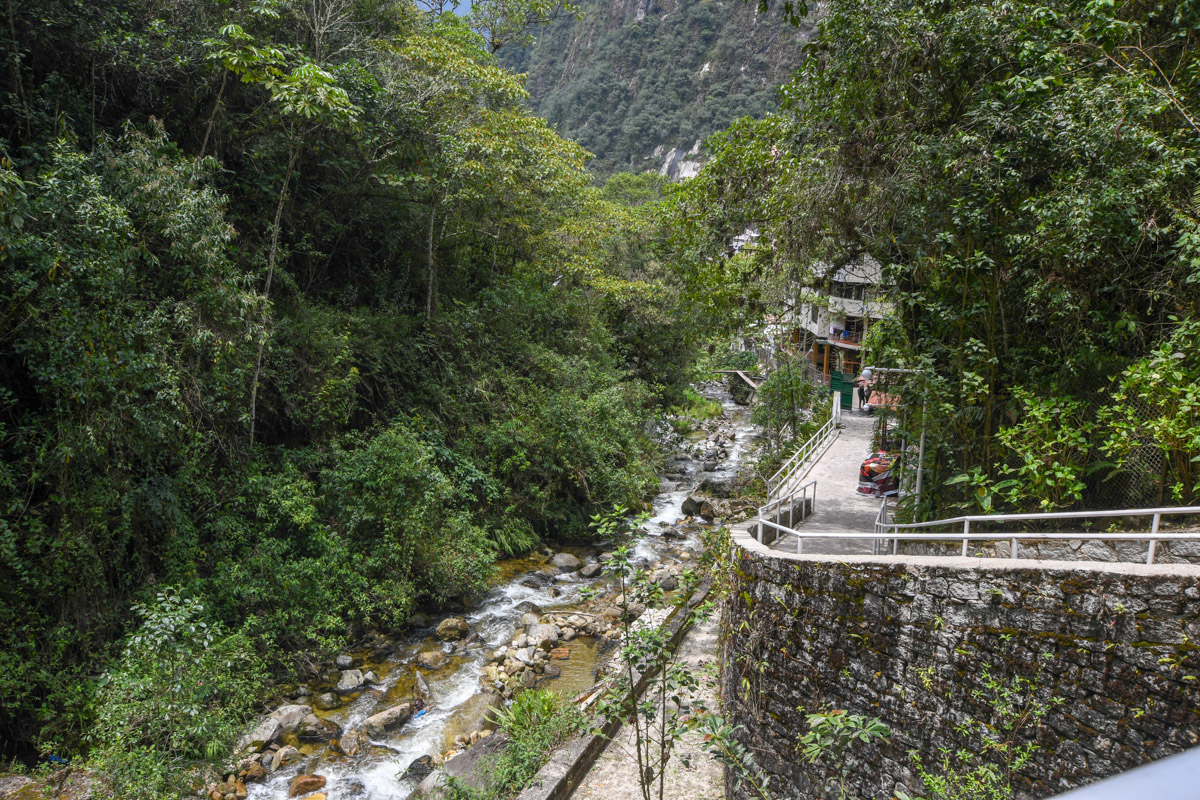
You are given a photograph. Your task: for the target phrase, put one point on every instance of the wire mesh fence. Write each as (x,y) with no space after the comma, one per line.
(1141,478)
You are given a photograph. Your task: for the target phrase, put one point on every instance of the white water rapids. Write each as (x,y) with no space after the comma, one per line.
(376,773)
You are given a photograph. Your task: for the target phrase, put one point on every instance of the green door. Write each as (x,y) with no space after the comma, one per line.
(843,383)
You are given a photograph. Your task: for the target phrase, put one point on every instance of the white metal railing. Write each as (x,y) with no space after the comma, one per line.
(777,483)
(771,514)
(895,532)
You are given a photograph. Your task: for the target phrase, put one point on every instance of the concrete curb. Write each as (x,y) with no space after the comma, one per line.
(566,768)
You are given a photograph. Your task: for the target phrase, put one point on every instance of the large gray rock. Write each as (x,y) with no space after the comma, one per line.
(1096,550)
(591,570)
(378,725)
(327,701)
(465,766)
(282,757)
(452,629)
(289,717)
(19,787)
(432,659)
(314,729)
(566,562)
(544,635)
(719,486)
(344,661)
(263,734)
(691,506)
(423,690)
(351,681)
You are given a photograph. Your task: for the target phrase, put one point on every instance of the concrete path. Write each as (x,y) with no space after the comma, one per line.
(839,508)
(691,773)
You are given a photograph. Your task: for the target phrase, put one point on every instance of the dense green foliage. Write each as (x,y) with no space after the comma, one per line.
(789,407)
(303,317)
(1027,175)
(627,78)
(180,692)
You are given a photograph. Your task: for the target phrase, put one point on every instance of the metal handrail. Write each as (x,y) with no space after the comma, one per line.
(775,483)
(801,491)
(892,530)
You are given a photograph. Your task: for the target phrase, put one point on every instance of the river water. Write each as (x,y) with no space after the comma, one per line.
(459,699)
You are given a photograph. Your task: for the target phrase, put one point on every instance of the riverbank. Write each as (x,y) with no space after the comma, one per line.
(375,722)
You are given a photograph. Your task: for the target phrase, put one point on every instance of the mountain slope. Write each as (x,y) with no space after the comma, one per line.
(641,82)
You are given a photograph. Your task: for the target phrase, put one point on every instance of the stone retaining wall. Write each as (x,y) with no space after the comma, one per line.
(913,641)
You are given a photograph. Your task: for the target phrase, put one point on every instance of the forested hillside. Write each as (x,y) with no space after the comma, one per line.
(303,321)
(1027,175)
(632,80)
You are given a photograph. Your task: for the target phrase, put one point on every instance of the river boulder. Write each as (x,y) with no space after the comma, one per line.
(452,629)
(591,570)
(423,690)
(544,636)
(351,680)
(282,757)
(353,743)
(432,659)
(304,784)
(263,734)
(314,729)
(378,725)
(566,562)
(327,701)
(719,486)
(419,768)
(289,717)
(691,506)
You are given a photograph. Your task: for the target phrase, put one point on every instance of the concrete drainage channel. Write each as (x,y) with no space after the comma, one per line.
(571,762)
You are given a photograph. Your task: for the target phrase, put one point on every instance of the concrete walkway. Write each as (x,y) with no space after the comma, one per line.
(839,508)
(691,773)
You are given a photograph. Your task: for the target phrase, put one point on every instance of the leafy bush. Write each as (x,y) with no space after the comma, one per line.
(537,722)
(180,691)
(788,403)
(1158,400)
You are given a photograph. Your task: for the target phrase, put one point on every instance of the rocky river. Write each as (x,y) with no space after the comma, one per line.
(375,721)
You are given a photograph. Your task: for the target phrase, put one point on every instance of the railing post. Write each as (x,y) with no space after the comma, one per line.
(1150,549)
(1012,548)
(966,530)
(799,545)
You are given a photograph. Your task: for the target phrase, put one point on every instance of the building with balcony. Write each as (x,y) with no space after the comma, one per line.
(830,320)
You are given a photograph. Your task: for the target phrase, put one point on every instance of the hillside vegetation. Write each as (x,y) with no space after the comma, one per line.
(303,321)
(1027,175)
(630,80)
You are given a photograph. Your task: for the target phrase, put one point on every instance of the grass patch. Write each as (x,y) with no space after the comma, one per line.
(695,406)
(537,722)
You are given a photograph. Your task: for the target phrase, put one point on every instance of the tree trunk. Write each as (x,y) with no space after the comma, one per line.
(431,266)
(271,256)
